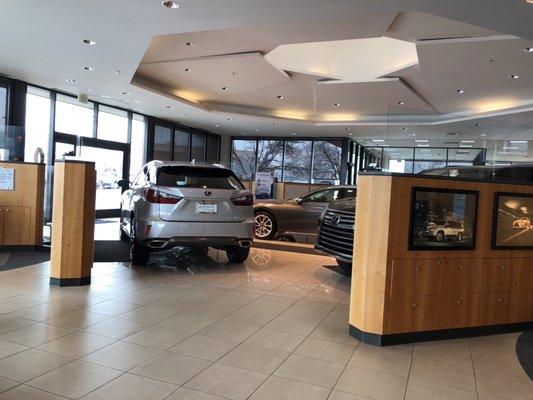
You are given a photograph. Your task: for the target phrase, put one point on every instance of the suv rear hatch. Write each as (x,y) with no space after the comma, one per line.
(201,194)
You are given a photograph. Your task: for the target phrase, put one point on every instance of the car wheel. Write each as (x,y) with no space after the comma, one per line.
(460,237)
(265,225)
(138,253)
(440,236)
(237,254)
(346,268)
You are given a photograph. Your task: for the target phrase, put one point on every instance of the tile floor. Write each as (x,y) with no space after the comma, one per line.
(274,328)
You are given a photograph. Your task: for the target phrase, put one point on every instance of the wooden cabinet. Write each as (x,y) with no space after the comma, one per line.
(16,226)
(415,277)
(413,314)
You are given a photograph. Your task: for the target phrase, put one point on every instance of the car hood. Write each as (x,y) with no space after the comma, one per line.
(343,205)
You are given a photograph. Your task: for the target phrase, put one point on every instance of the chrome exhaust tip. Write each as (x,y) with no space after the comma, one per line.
(245,243)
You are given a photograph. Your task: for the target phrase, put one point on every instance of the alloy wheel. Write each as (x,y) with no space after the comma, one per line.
(263,226)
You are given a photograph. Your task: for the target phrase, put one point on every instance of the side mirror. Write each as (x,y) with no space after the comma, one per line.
(124,184)
(299,201)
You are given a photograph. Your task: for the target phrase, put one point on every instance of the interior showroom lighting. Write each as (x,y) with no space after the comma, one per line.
(514,76)
(190,43)
(88,68)
(170,4)
(73,81)
(460,91)
(88,42)
(280,97)
(528,49)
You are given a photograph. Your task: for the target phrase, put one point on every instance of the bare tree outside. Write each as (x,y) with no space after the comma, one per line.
(327,161)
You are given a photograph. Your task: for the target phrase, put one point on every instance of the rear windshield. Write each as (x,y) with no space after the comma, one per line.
(194,177)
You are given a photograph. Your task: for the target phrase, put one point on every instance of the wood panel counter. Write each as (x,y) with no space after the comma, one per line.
(401,295)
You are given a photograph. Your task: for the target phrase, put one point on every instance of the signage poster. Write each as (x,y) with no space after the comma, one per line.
(7,179)
(263,185)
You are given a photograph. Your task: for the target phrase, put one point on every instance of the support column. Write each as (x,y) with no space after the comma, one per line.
(73,223)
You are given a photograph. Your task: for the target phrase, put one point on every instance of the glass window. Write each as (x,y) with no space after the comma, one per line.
(322,196)
(297,166)
(162,137)
(327,162)
(3,107)
(243,158)
(74,117)
(198,147)
(138,145)
(112,124)
(181,145)
(270,157)
(213,149)
(192,177)
(37,123)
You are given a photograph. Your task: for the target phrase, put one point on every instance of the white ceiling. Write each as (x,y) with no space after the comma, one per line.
(41,44)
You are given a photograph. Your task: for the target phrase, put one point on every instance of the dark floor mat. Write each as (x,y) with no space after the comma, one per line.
(111,250)
(524,351)
(17,259)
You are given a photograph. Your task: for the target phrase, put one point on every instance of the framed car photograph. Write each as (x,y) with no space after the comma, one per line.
(443,219)
(512,221)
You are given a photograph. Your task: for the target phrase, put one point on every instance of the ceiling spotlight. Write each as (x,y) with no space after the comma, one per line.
(274,124)
(293,133)
(73,81)
(106,96)
(401,102)
(257,130)
(225,88)
(190,43)
(187,69)
(229,119)
(88,68)
(217,125)
(482,134)
(137,101)
(88,42)
(280,97)
(337,104)
(404,128)
(125,93)
(170,4)
(528,49)
(181,115)
(460,91)
(514,76)
(413,134)
(169,107)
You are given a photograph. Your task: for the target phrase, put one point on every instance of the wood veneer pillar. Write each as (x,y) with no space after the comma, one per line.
(73,223)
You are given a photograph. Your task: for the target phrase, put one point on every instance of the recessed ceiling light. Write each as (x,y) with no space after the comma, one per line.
(413,134)
(217,125)
(477,124)
(274,124)
(465,145)
(88,42)
(482,134)
(337,104)
(190,43)
(125,93)
(187,69)
(401,102)
(181,115)
(118,72)
(280,97)
(170,4)
(421,141)
(528,49)
(88,68)
(257,130)
(225,88)
(229,119)
(137,101)
(468,141)
(514,76)
(293,133)
(378,140)
(71,81)
(422,145)
(106,96)
(169,107)
(460,91)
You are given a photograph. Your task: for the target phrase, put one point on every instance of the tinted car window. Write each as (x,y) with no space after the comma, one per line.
(190,177)
(322,196)
(347,193)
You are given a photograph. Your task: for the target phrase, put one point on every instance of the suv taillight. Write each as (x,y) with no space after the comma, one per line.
(247,200)
(155,196)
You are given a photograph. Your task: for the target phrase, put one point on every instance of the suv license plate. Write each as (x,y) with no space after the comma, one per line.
(202,208)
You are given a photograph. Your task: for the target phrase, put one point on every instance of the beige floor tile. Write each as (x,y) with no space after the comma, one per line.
(77,319)
(506,364)
(443,374)
(392,360)
(43,312)
(418,390)
(10,323)
(74,379)
(17,303)
(326,350)
(505,386)
(117,328)
(285,389)
(185,393)
(291,290)
(10,348)
(30,363)
(310,370)
(254,358)
(24,392)
(121,355)
(230,331)
(338,395)
(35,334)
(112,308)
(129,387)
(373,384)
(334,330)
(226,381)
(148,314)
(6,384)
(76,345)
(171,367)
(187,322)
(157,337)
(310,310)
(275,340)
(496,344)
(292,325)
(206,347)
(452,352)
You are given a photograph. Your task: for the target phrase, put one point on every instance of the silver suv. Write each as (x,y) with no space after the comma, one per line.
(173,204)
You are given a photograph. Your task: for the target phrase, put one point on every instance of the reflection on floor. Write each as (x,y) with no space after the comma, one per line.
(198,328)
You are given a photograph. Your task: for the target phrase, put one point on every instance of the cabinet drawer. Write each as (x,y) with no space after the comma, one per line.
(507,275)
(455,311)
(415,277)
(456,276)
(412,314)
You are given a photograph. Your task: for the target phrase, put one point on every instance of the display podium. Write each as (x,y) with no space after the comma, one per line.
(73,223)
(438,258)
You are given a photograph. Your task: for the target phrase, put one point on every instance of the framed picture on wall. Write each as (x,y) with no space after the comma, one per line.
(443,219)
(512,221)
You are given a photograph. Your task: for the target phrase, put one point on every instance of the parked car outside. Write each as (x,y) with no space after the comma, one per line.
(297,216)
(173,204)
(522,223)
(446,230)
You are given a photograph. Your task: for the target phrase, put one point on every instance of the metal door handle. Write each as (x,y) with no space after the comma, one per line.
(417,269)
(499,300)
(458,301)
(502,267)
(413,305)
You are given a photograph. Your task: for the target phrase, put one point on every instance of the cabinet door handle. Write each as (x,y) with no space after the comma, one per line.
(458,302)
(439,263)
(502,267)
(413,305)
(461,267)
(7,209)
(499,300)
(417,269)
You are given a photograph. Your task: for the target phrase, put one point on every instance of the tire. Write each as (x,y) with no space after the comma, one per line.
(139,254)
(346,268)
(439,237)
(265,225)
(237,255)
